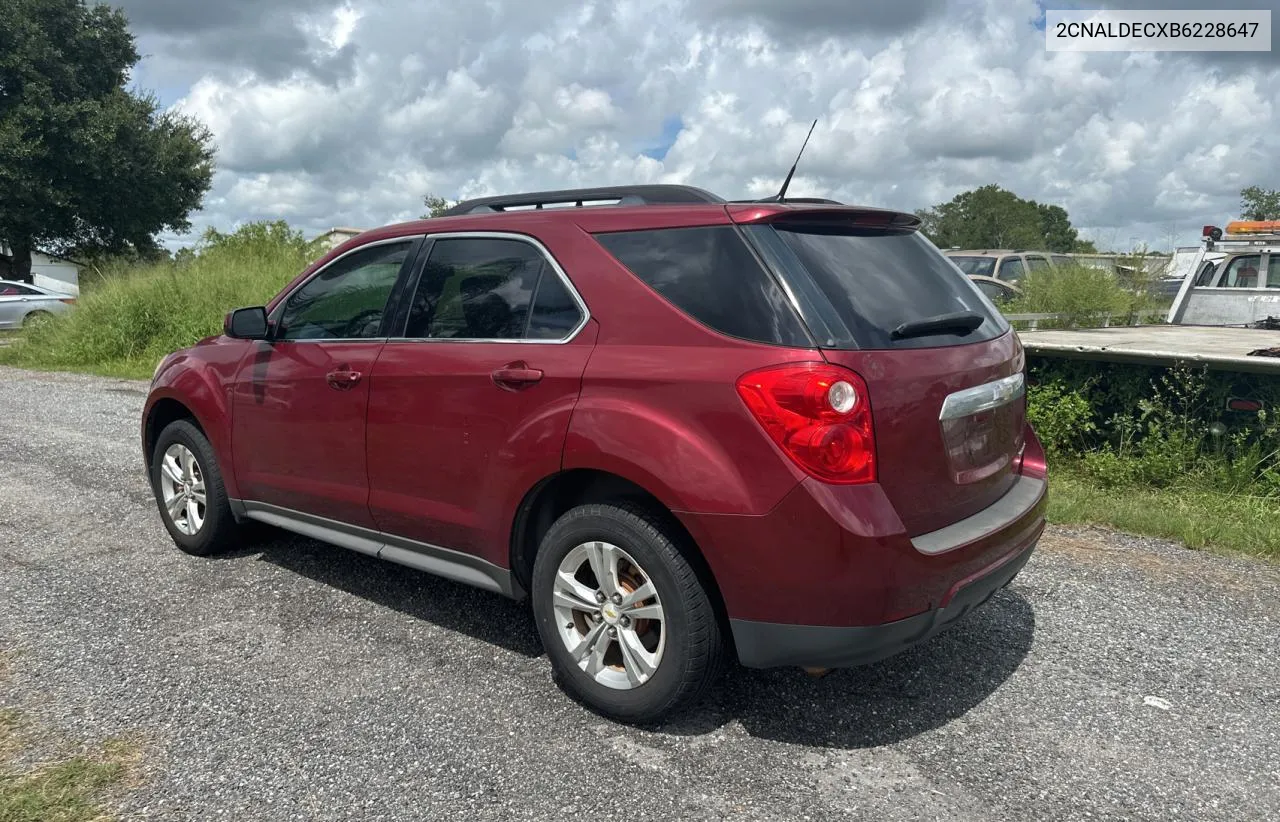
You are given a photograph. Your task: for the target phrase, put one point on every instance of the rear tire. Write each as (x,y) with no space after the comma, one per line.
(35,318)
(188,488)
(651,648)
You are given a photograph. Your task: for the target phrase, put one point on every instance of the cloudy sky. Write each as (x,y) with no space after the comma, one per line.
(345,112)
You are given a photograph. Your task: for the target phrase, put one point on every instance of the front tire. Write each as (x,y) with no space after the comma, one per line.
(188,489)
(628,627)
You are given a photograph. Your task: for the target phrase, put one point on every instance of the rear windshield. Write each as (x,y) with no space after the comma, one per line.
(975,266)
(855,286)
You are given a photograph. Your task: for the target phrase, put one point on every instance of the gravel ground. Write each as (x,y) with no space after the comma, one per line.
(1117,678)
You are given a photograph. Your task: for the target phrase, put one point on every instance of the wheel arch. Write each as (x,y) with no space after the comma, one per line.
(555,495)
(163,413)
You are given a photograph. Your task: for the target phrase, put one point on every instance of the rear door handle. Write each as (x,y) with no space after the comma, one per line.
(343,380)
(516,375)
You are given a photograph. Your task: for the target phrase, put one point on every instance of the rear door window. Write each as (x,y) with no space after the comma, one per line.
(1037,263)
(710,274)
(490,288)
(856,286)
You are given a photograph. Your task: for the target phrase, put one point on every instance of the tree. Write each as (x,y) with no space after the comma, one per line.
(991,217)
(436,206)
(1257,203)
(87,166)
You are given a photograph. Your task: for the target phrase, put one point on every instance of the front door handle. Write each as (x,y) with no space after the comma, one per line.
(343,380)
(516,375)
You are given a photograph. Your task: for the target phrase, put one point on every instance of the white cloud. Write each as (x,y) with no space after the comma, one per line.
(385,100)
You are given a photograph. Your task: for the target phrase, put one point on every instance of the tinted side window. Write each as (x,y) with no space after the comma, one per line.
(1037,263)
(345,300)
(1273,270)
(10,290)
(476,289)
(1011,269)
(711,275)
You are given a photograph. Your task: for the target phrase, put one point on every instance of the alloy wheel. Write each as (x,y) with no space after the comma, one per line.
(609,615)
(182,488)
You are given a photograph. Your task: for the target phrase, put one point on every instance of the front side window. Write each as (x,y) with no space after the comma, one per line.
(1011,270)
(346,300)
(1242,272)
(487,288)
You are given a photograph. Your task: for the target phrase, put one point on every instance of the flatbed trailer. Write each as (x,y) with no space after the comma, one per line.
(1217,347)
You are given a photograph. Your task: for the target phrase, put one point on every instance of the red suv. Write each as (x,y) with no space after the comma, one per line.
(687,429)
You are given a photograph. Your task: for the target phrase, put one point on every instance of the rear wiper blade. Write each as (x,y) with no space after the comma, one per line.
(959,323)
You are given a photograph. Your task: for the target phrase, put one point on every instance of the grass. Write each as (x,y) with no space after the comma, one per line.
(123,326)
(1197,517)
(71,787)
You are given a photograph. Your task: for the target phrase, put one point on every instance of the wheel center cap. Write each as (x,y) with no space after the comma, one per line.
(610,613)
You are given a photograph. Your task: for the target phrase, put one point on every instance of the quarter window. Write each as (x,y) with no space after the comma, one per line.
(711,275)
(346,300)
(485,288)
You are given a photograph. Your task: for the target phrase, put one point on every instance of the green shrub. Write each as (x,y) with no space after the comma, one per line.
(1086,295)
(1062,417)
(125,323)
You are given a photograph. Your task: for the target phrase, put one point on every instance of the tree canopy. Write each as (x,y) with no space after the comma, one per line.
(991,217)
(436,205)
(87,165)
(1257,203)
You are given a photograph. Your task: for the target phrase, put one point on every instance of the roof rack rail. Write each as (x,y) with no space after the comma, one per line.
(789,200)
(581,197)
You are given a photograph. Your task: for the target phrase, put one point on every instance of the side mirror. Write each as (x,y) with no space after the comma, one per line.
(246,323)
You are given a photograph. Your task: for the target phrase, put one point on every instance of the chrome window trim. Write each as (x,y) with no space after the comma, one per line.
(547,256)
(983,397)
(274,316)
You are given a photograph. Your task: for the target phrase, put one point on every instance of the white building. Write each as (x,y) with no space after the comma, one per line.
(51,271)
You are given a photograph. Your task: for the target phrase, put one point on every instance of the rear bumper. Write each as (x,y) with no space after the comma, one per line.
(772,644)
(830,577)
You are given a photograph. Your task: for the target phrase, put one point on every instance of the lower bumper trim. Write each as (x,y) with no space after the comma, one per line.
(772,644)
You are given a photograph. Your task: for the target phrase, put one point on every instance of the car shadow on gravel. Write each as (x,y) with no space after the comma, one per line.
(914,692)
(478,614)
(906,695)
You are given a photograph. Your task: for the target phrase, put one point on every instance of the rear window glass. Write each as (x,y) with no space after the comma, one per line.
(976,266)
(856,286)
(711,274)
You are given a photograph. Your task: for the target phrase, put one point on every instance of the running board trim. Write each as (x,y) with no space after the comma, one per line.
(422,556)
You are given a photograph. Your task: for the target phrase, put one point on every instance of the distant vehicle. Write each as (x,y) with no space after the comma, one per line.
(998,292)
(22,304)
(1234,279)
(1003,264)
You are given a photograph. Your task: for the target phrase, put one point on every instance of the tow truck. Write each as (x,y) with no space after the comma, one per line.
(1225,316)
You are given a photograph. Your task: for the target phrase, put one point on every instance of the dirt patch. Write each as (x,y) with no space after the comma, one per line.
(1166,563)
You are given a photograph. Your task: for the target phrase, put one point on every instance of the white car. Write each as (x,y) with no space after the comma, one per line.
(22,304)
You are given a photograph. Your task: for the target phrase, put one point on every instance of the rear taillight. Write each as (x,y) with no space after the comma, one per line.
(819,414)
(68,300)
